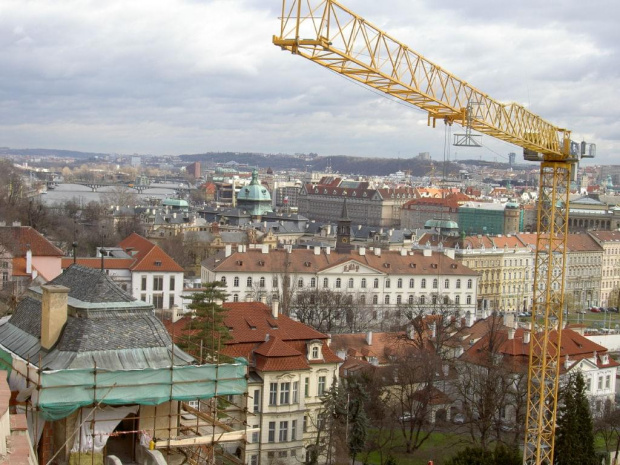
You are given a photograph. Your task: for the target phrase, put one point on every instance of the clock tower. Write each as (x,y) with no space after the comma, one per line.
(343,234)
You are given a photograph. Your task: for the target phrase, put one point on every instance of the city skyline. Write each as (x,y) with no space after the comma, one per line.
(175,77)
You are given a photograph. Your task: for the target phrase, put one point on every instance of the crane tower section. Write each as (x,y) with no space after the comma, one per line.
(331,35)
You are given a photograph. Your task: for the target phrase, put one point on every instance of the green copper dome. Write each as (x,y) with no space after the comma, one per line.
(254,191)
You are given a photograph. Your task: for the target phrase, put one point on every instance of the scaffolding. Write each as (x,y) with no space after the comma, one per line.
(194,413)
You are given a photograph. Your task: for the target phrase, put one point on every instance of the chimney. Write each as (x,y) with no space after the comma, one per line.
(449,253)
(526,337)
(228,250)
(509,319)
(175,313)
(275,308)
(265,248)
(28,260)
(317,250)
(433,330)
(369,338)
(377,251)
(427,252)
(362,251)
(53,313)
(403,252)
(511,333)
(328,250)
(263,299)
(566,362)
(240,248)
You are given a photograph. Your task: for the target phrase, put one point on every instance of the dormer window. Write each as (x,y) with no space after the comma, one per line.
(315,351)
(157,263)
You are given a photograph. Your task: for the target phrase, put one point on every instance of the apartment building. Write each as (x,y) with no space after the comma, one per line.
(610,266)
(290,368)
(367,205)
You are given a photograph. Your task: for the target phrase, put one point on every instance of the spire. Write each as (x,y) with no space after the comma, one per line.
(344,216)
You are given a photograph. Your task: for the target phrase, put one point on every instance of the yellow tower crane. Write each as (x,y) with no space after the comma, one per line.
(333,36)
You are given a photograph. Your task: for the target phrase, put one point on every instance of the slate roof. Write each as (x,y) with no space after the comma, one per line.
(106,328)
(91,285)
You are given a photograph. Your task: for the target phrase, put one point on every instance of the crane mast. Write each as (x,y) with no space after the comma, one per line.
(333,36)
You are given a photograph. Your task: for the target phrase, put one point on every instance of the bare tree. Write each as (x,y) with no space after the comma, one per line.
(608,427)
(487,385)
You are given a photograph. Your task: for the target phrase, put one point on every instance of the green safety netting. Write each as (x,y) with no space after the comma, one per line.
(64,391)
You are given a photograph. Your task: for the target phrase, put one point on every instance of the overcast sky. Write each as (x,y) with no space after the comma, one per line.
(174,76)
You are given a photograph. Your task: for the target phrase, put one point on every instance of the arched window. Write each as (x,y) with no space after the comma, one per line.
(423,284)
(446,284)
(376,283)
(261,282)
(375,299)
(387,283)
(363,283)
(300,283)
(350,283)
(446,301)
(315,352)
(399,299)
(469,283)
(362,299)
(435,283)
(274,282)
(325,282)
(235,297)
(236,281)
(411,283)
(458,283)
(410,300)
(468,300)
(422,299)
(387,299)
(338,282)
(312,282)
(223,280)
(399,283)
(249,281)
(434,298)
(457,299)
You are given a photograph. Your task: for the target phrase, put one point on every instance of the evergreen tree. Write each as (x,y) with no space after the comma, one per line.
(208,322)
(574,444)
(502,455)
(357,419)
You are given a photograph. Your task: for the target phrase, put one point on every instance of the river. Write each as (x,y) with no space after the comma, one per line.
(82,195)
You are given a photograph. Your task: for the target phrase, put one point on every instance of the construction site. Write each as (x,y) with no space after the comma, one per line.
(99,380)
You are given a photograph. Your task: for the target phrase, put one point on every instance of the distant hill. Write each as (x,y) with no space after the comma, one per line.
(49,153)
(340,164)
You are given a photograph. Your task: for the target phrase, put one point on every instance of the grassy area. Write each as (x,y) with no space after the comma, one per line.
(438,448)
(592,320)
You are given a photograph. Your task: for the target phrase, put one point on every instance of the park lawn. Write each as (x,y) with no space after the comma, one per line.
(438,448)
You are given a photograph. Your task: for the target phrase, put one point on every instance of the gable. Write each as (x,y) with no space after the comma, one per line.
(349,268)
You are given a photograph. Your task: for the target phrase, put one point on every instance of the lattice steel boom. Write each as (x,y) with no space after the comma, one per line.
(329,34)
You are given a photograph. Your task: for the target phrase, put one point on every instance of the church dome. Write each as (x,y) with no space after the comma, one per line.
(254,192)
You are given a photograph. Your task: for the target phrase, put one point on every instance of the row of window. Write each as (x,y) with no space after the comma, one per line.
(283,431)
(271,455)
(158,283)
(285,393)
(338,284)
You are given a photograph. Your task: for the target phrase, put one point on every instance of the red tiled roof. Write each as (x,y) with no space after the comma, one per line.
(276,344)
(109,263)
(17,239)
(574,345)
(306,261)
(148,256)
